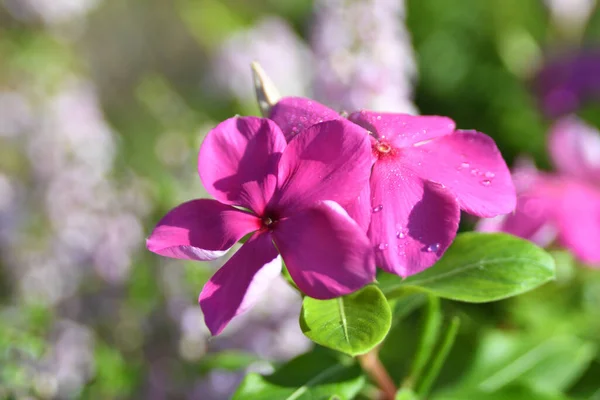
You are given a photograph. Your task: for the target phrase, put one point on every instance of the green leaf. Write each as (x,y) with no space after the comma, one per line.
(352,324)
(406,394)
(116,377)
(551,364)
(405,305)
(318,375)
(432,322)
(479,267)
(230,360)
(563,365)
(508,393)
(440,357)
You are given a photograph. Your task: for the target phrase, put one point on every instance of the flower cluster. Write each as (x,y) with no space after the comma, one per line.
(333,196)
(563,206)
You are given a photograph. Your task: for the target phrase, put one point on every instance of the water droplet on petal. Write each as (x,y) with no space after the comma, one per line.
(379,117)
(474,171)
(382,246)
(378,208)
(465,165)
(433,247)
(486,182)
(489,175)
(400,235)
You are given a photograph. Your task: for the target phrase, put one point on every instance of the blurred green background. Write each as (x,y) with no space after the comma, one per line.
(103,106)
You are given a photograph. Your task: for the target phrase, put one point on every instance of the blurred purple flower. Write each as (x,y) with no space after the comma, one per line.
(52,12)
(271,42)
(291,192)
(562,206)
(363,55)
(567,82)
(424,172)
(69,365)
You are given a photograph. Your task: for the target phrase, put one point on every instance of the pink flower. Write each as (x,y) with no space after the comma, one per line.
(288,197)
(424,172)
(562,206)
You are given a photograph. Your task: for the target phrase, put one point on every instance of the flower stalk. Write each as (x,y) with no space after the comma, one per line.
(373,366)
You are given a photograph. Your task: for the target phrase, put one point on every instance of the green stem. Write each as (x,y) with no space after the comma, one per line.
(429,336)
(439,359)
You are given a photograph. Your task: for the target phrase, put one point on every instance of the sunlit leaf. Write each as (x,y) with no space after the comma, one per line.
(352,324)
(480,267)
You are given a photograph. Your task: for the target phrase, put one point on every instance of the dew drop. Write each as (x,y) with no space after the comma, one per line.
(400,235)
(433,247)
(379,117)
(465,165)
(378,208)
(382,246)
(486,182)
(489,175)
(474,171)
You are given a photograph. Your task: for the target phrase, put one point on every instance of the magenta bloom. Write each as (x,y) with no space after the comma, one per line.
(288,197)
(563,206)
(424,172)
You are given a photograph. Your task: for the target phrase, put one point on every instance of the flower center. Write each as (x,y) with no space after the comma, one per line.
(383,147)
(267,221)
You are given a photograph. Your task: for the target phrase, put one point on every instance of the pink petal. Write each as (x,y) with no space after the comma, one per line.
(328,161)
(528,217)
(525,174)
(413,221)
(402,129)
(239,283)
(538,204)
(470,165)
(360,208)
(294,114)
(533,219)
(575,148)
(325,251)
(200,230)
(579,221)
(238,161)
